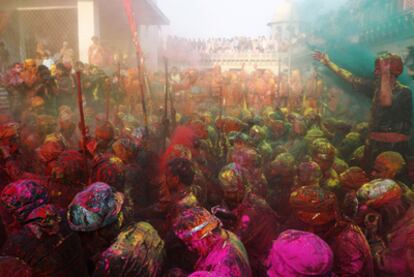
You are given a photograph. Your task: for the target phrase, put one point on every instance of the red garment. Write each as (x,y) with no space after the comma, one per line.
(257,226)
(396,259)
(352,253)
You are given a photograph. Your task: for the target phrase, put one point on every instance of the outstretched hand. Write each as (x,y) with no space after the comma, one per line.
(321,57)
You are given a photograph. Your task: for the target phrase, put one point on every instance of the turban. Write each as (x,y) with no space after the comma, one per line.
(308,172)
(9,130)
(94,208)
(231,178)
(69,168)
(137,251)
(353,178)
(246,157)
(396,64)
(392,160)
(313,205)
(45,219)
(49,151)
(194,223)
(37,101)
(323,149)
(110,170)
(22,197)
(297,253)
(379,192)
(105,131)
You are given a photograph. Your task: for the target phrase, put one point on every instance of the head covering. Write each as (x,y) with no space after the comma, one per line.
(194,223)
(49,151)
(257,133)
(313,205)
(231,178)
(125,144)
(110,170)
(309,172)
(322,149)
(44,219)
(284,162)
(37,101)
(357,155)
(297,253)
(137,251)
(199,128)
(228,124)
(178,151)
(238,137)
(9,130)
(94,208)
(392,160)
(22,197)
(339,165)
(353,178)
(105,131)
(312,135)
(14,267)
(69,168)
(379,192)
(246,157)
(396,64)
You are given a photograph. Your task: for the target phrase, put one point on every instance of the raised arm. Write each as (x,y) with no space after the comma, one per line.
(343,73)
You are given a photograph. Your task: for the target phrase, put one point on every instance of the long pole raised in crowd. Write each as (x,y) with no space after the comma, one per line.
(165,119)
(81,116)
(134,31)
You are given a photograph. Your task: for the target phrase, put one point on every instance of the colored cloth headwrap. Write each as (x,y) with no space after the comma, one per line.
(69,168)
(396,63)
(110,170)
(22,197)
(9,130)
(353,178)
(231,178)
(309,171)
(137,251)
(297,253)
(323,149)
(44,219)
(125,144)
(94,208)
(194,223)
(247,157)
(379,192)
(391,159)
(229,124)
(313,205)
(49,151)
(105,131)
(199,128)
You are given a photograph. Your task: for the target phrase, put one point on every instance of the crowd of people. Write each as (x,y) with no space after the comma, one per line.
(225,45)
(191,51)
(223,174)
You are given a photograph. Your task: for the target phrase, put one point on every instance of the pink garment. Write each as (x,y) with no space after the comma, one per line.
(297,253)
(352,253)
(227,258)
(395,259)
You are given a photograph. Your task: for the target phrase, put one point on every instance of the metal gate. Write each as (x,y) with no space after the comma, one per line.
(51,26)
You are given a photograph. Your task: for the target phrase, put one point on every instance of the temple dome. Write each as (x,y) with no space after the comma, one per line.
(285,12)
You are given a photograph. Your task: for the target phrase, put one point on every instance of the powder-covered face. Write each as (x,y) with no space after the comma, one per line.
(382,170)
